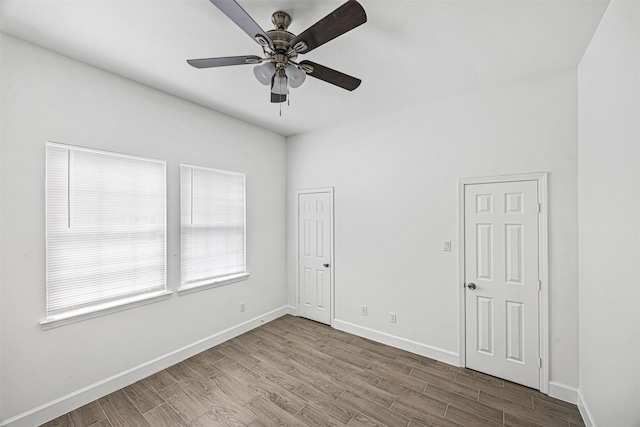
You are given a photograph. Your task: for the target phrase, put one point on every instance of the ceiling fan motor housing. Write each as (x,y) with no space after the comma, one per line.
(282,38)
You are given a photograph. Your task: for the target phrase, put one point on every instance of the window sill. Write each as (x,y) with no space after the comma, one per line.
(103,309)
(214,283)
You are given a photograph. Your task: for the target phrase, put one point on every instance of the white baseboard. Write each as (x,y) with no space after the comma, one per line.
(445,356)
(291,310)
(584,411)
(563,392)
(55,408)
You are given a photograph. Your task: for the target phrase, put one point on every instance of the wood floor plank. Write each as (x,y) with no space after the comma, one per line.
(560,411)
(305,349)
(365,375)
(236,354)
(313,417)
(467,419)
(305,362)
(87,415)
(164,416)
(463,390)
(360,420)
(357,351)
(473,379)
(226,411)
(143,396)
(202,364)
(373,410)
(102,423)
(62,421)
(521,411)
(515,396)
(514,421)
(368,391)
(233,388)
(350,358)
(277,376)
(160,380)
(522,390)
(181,371)
(417,413)
(267,390)
(188,407)
(223,418)
(327,405)
(213,355)
(321,382)
(239,371)
(474,374)
(271,414)
(416,360)
(425,372)
(406,380)
(121,412)
(376,347)
(245,345)
(423,401)
(473,407)
(266,334)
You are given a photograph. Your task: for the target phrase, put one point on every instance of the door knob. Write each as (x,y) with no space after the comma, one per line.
(326,265)
(471,286)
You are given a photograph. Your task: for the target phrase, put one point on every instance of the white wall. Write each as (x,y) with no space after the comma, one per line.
(395,179)
(49,97)
(609,219)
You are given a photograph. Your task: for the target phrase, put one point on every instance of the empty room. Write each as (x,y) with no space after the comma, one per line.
(320,213)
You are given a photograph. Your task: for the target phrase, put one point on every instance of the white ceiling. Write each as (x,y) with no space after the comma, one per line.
(409,52)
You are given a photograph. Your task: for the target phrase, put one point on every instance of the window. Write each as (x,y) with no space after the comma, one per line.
(106,230)
(212,238)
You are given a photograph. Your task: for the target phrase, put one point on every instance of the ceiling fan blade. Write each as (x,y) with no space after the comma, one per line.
(237,14)
(224,61)
(343,19)
(275,98)
(330,76)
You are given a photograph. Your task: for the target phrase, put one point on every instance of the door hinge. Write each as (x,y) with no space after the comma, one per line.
(539,284)
(539,207)
(539,362)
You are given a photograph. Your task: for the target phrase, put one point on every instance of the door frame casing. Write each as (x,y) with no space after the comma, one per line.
(543,264)
(331,246)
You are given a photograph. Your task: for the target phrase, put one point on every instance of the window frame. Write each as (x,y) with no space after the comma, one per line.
(216,281)
(113,303)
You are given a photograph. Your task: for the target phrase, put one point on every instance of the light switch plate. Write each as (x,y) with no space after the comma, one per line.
(446,246)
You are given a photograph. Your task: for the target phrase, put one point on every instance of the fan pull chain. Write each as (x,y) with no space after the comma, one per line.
(280,83)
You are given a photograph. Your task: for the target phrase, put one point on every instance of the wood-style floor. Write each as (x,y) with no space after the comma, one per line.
(295,372)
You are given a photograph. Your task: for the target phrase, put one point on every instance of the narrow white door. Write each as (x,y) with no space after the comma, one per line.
(501,280)
(314,252)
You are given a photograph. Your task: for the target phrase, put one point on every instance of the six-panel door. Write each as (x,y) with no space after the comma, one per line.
(501,260)
(314,251)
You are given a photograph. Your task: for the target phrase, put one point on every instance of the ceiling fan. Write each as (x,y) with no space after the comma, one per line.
(281,47)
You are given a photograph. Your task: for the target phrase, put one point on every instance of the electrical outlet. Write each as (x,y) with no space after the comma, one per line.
(242,306)
(363,310)
(392,317)
(446,245)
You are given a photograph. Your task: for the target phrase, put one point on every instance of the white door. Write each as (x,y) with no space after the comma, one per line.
(315,212)
(501,280)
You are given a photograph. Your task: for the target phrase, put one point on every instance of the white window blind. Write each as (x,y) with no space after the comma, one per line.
(106,228)
(212,235)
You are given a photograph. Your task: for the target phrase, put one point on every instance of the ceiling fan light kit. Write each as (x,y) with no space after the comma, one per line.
(281,48)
